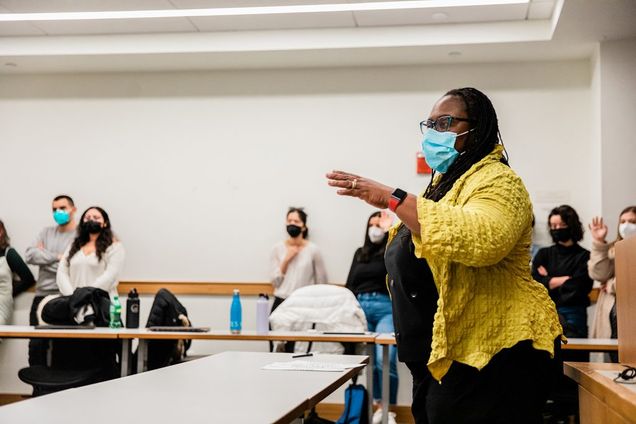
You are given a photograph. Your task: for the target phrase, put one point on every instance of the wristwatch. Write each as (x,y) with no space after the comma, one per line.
(397,197)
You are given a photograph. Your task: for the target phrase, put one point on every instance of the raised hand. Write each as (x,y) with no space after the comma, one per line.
(598,229)
(386,221)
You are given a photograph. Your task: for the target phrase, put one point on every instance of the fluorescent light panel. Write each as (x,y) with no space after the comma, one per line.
(244,11)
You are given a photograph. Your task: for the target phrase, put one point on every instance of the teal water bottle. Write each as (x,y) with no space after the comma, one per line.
(115,313)
(235,313)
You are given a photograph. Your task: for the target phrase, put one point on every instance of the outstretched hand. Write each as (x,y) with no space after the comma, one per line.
(352,185)
(598,229)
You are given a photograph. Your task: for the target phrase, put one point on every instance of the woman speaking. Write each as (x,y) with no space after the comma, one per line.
(476,331)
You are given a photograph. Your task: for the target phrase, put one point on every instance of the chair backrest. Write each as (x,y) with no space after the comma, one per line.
(327,307)
(166,310)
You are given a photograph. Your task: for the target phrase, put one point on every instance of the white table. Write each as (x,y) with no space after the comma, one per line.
(229,387)
(143,335)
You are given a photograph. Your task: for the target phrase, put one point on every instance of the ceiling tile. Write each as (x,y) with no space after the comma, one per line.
(442,15)
(42,6)
(540,9)
(278,22)
(117,26)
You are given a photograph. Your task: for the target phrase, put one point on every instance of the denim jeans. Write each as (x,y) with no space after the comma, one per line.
(378,310)
(576,319)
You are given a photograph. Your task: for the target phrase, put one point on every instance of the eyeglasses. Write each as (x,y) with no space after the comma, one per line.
(626,376)
(443,123)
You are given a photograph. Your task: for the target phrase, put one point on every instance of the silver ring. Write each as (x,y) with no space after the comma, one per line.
(353,184)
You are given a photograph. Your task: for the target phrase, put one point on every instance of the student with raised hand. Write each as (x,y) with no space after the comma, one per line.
(296,261)
(477,333)
(10,263)
(367,280)
(95,258)
(562,269)
(45,252)
(601,267)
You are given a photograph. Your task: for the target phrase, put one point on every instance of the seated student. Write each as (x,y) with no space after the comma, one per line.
(601,268)
(10,263)
(367,280)
(95,258)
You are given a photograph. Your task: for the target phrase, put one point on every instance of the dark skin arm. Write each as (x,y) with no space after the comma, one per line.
(376,195)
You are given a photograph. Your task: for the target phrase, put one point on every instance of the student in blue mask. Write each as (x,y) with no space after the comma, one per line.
(46,252)
(478,334)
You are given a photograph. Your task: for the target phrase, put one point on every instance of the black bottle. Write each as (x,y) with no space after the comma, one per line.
(132,309)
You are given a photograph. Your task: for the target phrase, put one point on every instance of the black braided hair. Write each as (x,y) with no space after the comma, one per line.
(480,142)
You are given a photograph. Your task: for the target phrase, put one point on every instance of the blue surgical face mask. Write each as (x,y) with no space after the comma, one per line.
(62,217)
(439,149)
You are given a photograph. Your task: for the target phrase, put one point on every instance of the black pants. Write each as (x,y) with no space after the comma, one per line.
(38,348)
(512,388)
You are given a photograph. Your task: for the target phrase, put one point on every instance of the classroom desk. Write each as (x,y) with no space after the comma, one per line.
(229,387)
(143,335)
(601,400)
(100,333)
(386,340)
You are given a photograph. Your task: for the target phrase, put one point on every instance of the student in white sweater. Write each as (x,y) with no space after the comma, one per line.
(295,262)
(94,259)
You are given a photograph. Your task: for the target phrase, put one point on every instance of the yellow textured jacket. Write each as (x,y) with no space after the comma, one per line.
(476,240)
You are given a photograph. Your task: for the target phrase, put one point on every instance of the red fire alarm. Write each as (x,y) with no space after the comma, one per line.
(422,166)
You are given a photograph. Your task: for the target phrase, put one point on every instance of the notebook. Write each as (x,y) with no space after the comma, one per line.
(180,329)
(64,327)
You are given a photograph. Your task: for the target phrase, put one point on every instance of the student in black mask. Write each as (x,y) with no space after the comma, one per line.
(94,259)
(562,268)
(295,262)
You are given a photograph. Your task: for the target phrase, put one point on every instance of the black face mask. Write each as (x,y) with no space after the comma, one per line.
(294,230)
(561,235)
(93,227)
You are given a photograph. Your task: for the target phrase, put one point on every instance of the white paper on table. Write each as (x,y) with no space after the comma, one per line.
(309,366)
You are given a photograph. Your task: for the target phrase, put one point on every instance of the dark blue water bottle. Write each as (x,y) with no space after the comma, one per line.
(236,313)
(132,309)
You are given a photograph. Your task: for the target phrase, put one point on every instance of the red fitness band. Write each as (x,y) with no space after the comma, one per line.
(397,197)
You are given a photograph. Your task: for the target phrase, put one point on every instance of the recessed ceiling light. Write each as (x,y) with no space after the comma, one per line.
(439,16)
(242,11)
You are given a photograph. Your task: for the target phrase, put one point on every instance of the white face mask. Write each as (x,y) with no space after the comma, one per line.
(376,234)
(627,229)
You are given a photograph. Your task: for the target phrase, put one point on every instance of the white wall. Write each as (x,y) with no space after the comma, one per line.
(197,169)
(618,106)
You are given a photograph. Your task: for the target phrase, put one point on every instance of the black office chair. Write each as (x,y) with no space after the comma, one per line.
(74,363)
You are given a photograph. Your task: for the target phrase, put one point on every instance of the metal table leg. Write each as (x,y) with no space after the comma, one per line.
(142,352)
(371,349)
(125,357)
(385,383)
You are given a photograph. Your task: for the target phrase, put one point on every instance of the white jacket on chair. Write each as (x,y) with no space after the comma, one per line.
(329,307)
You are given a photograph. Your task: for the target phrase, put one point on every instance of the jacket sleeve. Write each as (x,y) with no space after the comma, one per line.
(37,256)
(580,282)
(276,276)
(63,276)
(540,260)
(600,266)
(350,282)
(17,265)
(319,268)
(482,231)
(114,258)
